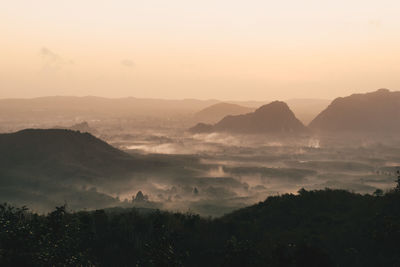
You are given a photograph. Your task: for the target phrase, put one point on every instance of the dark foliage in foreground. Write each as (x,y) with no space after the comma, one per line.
(313,228)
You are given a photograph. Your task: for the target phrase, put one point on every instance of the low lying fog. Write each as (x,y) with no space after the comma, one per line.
(225,172)
(212,174)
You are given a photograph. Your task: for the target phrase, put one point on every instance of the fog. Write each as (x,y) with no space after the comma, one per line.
(228,171)
(208,173)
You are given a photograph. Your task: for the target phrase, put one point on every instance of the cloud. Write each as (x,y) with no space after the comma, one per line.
(52,61)
(127,63)
(49,55)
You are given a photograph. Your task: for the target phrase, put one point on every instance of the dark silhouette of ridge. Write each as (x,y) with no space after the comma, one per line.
(275,117)
(36,144)
(58,154)
(377,111)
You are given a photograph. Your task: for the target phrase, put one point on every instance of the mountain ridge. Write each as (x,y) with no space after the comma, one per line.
(275,117)
(376,111)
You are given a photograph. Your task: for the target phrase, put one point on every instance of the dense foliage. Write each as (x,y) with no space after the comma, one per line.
(312,228)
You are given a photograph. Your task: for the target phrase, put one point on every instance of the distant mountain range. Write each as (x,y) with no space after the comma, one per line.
(61,108)
(275,117)
(70,106)
(377,111)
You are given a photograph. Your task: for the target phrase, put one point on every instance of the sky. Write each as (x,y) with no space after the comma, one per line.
(208,49)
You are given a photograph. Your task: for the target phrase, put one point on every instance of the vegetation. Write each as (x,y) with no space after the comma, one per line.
(313,228)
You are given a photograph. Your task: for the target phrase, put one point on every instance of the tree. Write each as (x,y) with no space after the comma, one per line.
(378,192)
(140,197)
(397,189)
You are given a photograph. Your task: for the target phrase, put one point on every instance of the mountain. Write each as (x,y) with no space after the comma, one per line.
(377,111)
(275,117)
(216,112)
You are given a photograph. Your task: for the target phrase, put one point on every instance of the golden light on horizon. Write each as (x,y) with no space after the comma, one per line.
(236,50)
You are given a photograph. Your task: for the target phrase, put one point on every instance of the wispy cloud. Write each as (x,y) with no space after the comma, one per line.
(52,61)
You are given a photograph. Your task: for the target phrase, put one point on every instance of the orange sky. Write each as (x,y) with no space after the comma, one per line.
(230,50)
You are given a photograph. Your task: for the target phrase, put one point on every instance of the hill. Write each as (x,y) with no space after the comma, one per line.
(377,111)
(63,147)
(311,228)
(216,112)
(275,118)
(44,167)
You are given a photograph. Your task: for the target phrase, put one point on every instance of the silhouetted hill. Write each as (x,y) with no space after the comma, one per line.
(44,167)
(58,146)
(216,112)
(275,117)
(312,228)
(377,111)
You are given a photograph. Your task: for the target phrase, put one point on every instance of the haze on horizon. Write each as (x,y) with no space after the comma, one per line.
(227,50)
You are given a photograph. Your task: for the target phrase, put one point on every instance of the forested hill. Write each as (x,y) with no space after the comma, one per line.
(312,228)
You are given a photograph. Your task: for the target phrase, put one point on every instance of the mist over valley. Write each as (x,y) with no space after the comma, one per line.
(102,161)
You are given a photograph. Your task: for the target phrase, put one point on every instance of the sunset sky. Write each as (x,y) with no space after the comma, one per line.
(224,49)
